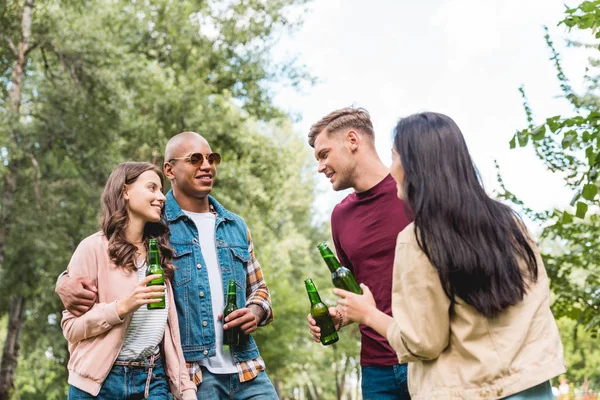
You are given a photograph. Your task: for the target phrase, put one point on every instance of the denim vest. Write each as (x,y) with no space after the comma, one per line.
(191,288)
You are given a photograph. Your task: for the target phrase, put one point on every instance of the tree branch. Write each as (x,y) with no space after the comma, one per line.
(10,44)
(31,48)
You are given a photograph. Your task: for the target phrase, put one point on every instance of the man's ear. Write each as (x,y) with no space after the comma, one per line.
(352,139)
(168,171)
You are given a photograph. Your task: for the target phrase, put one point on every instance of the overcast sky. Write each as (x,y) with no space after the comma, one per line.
(463,58)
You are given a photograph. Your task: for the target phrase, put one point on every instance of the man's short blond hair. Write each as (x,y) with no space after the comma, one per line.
(349,117)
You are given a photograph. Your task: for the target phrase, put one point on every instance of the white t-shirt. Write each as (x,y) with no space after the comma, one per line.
(146,329)
(222,362)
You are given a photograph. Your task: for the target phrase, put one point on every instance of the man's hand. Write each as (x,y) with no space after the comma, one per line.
(78,294)
(315,331)
(246,318)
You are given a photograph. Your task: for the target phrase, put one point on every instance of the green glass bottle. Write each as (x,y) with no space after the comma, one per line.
(320,313)
(341,276)
(231,336)
(155,268)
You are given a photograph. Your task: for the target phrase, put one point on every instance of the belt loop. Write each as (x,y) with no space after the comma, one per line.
(147,389)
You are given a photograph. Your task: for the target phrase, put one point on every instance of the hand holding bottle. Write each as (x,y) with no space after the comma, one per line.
(141,295)
(314,329)
(357,307)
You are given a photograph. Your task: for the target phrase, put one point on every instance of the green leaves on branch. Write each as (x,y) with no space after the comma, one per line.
(569,145)
(584,16)
(559,142)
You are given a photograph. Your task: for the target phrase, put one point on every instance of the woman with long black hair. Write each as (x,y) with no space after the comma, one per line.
(471,298)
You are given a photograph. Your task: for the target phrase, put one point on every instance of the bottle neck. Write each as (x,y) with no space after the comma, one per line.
(231,298)
(332,263)
(153,258)
(231,292)
(314,297)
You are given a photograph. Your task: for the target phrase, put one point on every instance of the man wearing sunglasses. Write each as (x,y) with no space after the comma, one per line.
(211,246)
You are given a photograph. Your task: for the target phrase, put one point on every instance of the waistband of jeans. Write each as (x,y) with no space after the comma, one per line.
(139,363)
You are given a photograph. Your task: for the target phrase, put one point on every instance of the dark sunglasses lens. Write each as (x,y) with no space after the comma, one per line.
(214,158)
(196,158)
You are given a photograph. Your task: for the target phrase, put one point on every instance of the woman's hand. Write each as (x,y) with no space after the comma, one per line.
(357,307)
(141,295)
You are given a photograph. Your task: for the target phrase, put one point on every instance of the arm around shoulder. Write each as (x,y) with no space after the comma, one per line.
(99,319)
(101,316)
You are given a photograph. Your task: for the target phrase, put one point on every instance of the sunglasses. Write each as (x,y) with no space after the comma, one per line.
(197,159)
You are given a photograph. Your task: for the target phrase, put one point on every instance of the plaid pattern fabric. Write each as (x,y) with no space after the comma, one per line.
(257,293)
(247,370)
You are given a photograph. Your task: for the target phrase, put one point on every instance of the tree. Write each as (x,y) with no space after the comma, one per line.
(582,353)
(570,145)
(88,84)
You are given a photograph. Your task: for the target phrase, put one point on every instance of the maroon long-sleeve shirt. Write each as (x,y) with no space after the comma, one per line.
(365,227)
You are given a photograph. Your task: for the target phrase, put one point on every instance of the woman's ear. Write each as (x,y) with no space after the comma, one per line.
(125,192)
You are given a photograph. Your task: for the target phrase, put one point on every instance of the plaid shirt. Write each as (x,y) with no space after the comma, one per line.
(257,293)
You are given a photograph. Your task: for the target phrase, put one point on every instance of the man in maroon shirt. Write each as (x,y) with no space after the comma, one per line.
(364,227)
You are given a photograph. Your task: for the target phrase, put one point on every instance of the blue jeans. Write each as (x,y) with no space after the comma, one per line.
(385,383)
(126,383)
(543,391)
(228,386)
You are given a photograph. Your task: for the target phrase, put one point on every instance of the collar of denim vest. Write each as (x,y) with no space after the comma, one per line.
(174,212)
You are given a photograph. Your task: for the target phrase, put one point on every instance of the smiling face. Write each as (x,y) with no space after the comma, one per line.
(145,199)
(190,182)
(336,160)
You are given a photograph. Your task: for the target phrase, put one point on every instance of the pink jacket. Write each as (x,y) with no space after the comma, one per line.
(96,337)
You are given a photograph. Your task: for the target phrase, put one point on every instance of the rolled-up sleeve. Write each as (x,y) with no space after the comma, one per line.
(257,292)
(421,326)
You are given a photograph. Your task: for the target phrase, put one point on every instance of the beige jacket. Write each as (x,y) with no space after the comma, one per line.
(462,354)
(96,337)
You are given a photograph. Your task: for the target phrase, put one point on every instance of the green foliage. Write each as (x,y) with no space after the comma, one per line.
(584,16)
(582,353)
(111,80)
(570,145)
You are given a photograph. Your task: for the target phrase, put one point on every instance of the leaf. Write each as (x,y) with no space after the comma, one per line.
(553,123)
(587,6)
(590,154)
(570,138)
(513,142)
(523,139)
(567,218)
(539,133)
(582,209)
(570,22)
(589,191)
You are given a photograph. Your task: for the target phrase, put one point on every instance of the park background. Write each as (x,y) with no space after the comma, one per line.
(87,84)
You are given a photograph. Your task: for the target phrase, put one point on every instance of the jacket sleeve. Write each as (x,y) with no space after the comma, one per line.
(187,387)
(421,326)
(99,319)
(102,316)
(257,291)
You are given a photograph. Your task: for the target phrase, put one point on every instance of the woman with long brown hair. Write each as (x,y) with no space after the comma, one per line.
(120,349)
